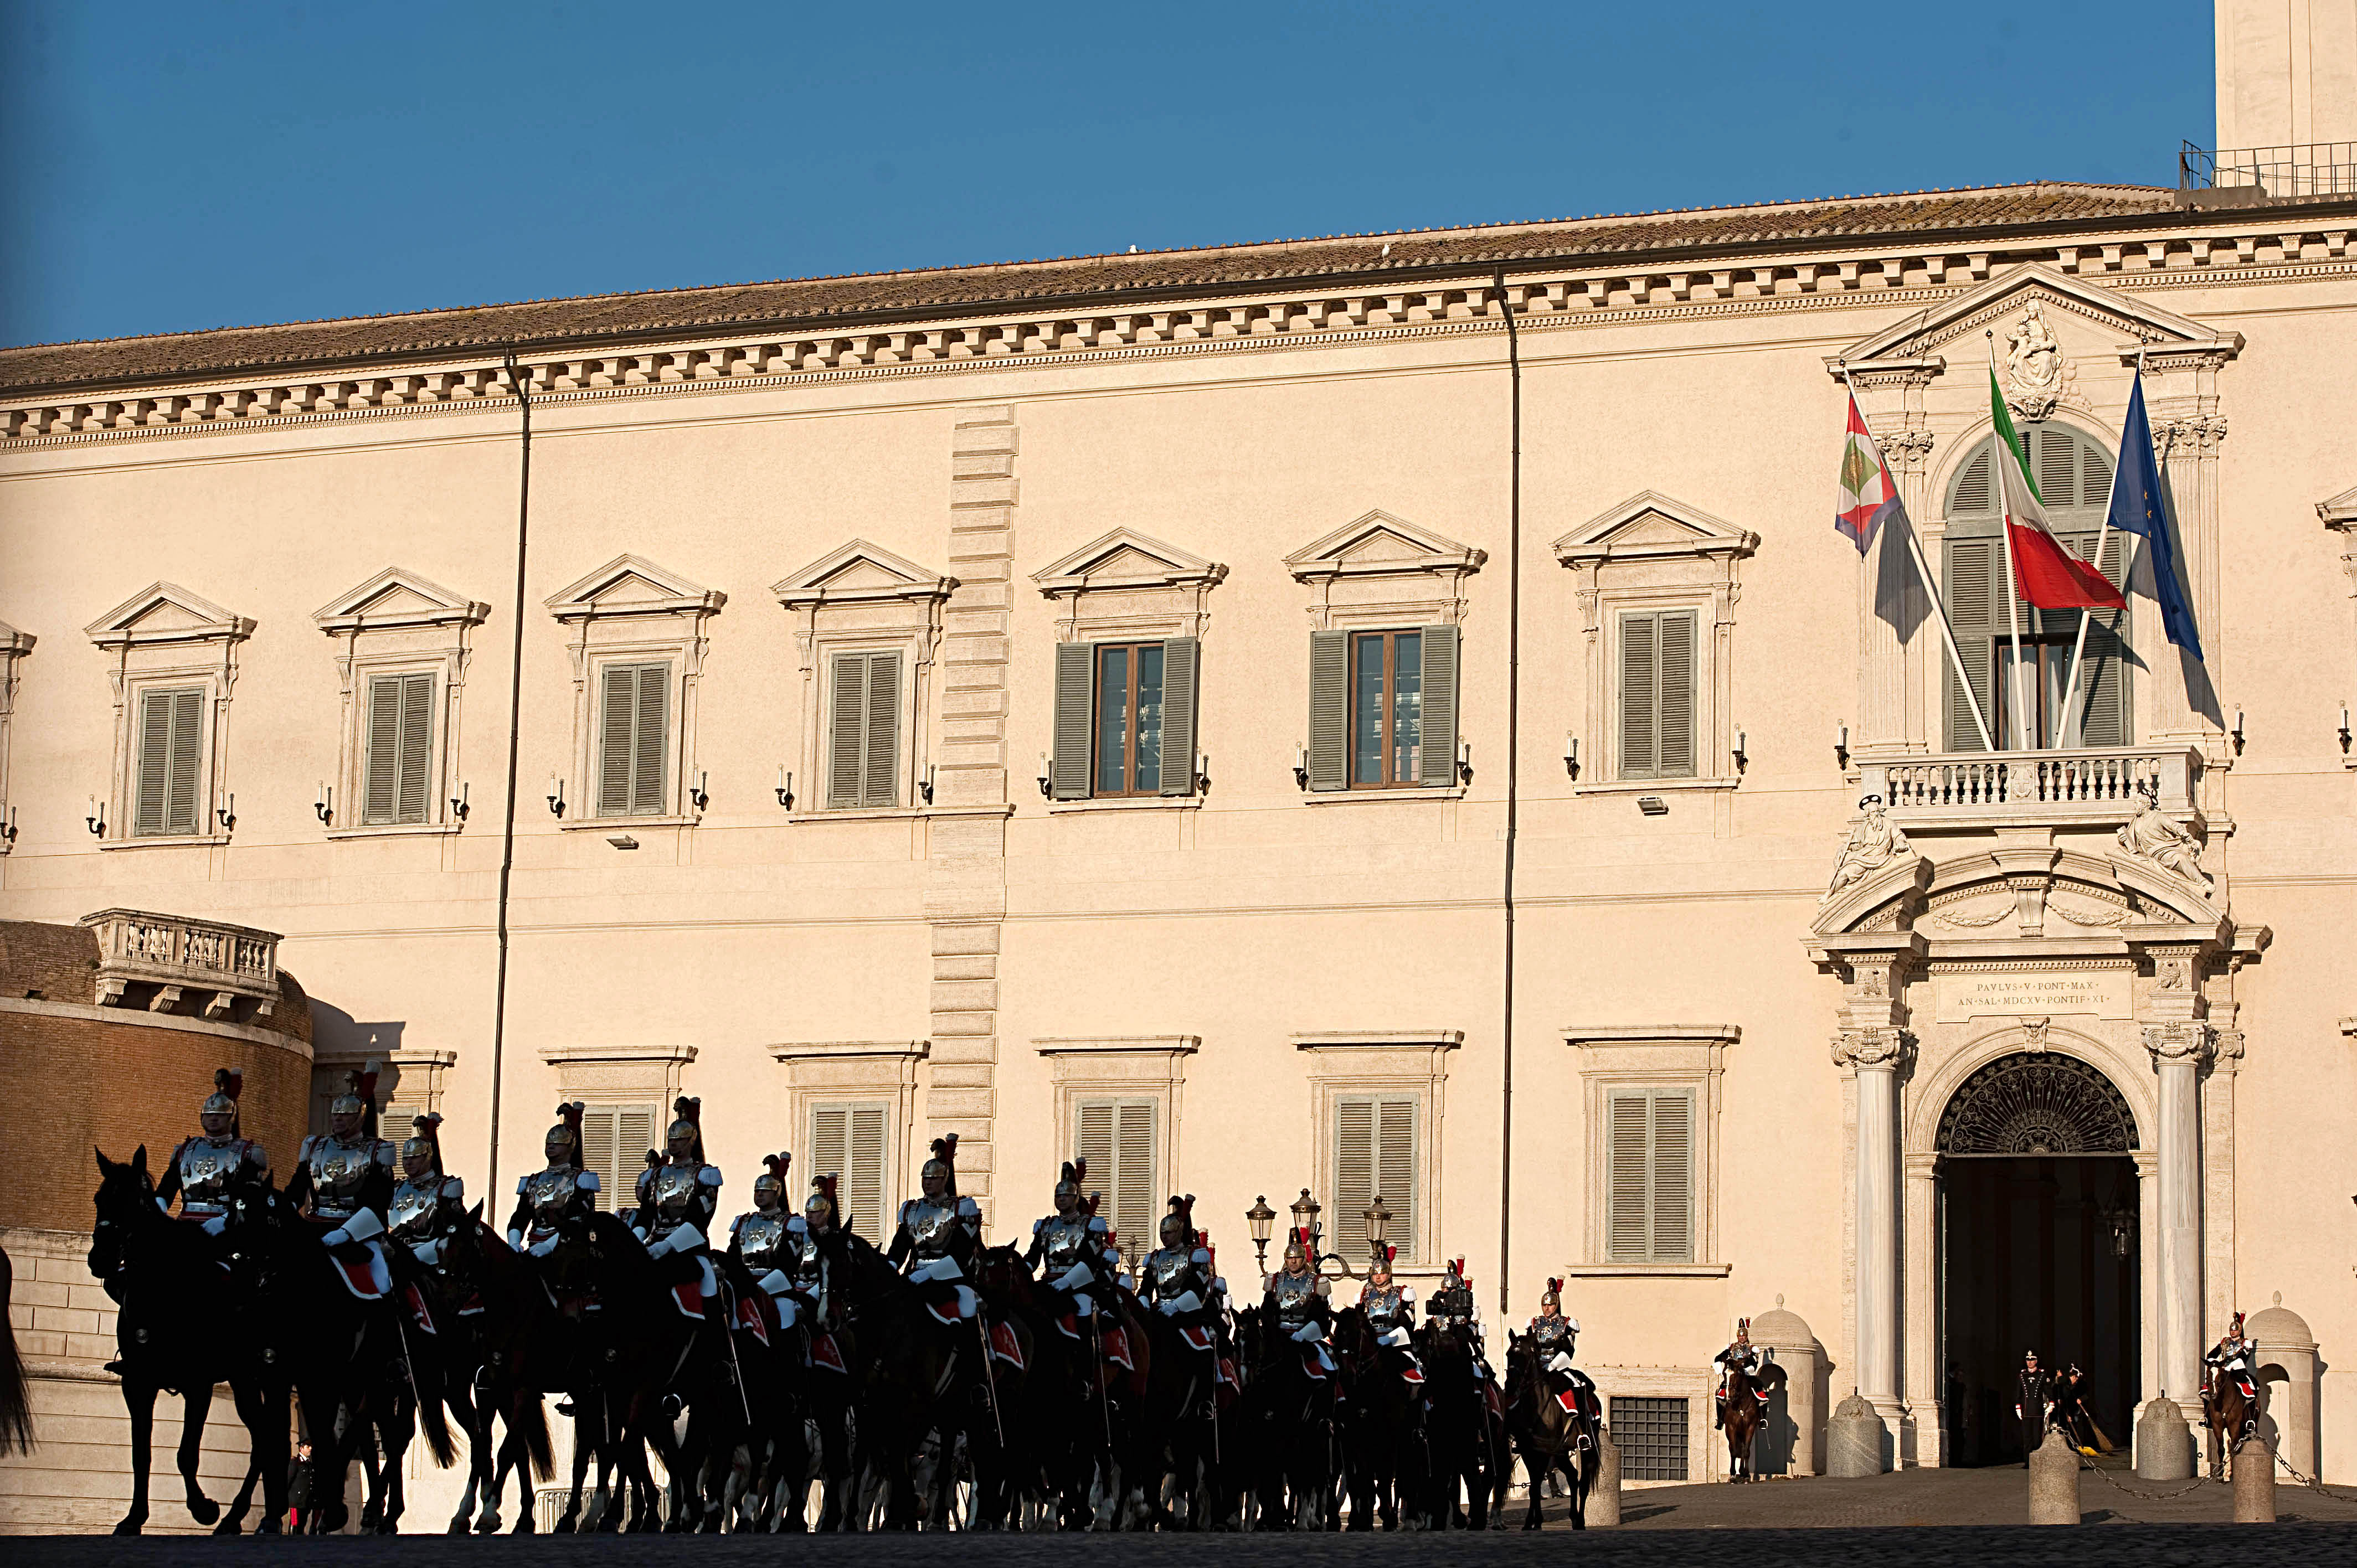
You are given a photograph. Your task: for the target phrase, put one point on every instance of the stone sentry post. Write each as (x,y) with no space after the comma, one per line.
(1873,1048)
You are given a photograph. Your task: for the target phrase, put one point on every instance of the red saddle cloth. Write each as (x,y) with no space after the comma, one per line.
(688,1295)
(1004,1347)
(1117,1349)
(824,1352)
(418,1313)
(1310,1366)
(749,1315)
(1069,1325)
(1570,1400)
(944,1313)
(474,1307)
(1197,1336)
(360,1277)
(1490,1400)
(1226,1372)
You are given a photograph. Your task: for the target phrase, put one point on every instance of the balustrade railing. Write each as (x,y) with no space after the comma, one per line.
(2095,785)
(176,955)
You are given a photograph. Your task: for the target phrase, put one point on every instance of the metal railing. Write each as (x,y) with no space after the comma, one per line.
(2309,168)
(2094,785)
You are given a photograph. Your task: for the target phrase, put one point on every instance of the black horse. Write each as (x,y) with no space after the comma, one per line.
(1552,1438)
(1466,1426)
(15,1395)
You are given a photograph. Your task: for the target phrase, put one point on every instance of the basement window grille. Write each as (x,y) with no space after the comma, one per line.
(1651,1433)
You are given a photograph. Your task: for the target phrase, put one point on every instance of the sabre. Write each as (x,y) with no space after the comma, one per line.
(728,1302)
(989,1373)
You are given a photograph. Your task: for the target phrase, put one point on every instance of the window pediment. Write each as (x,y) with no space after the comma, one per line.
(1127,559)
(165,612)
(1913,341)
(632,586)
(859,572)
(397,600)
(1381,543)
(1650,526)
(2341,511)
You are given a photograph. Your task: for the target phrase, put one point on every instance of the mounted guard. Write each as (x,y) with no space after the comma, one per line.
(1738,1356)
(1071,1250)
(2232,1363)
(1554,1339)
(938,1235)
(1299,1298)
(1390,1310)
(760,1240)
(429,1204)
(343,1181)
(677,1200)
(201,1168)
(551,1222)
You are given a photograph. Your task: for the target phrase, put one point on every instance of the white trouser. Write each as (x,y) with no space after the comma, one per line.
(1185,1301)
(1311,1333)
(1559,1362)
(1396,1337)
(941,1268)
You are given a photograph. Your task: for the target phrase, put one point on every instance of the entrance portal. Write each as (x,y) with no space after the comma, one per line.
(2039,1246)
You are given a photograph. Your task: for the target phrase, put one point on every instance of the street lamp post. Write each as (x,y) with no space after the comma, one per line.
(1379,1225)
(1260,1217)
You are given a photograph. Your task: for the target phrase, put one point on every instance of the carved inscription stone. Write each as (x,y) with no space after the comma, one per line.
(2037,993)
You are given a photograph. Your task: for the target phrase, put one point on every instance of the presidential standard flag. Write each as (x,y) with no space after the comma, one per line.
(2046,573)
(2136,509)
(1867,496)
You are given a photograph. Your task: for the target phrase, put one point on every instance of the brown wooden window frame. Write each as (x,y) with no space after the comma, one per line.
(1386,708)
(1097,651)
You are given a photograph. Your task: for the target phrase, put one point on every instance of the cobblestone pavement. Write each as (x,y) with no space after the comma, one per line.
(1933,1519)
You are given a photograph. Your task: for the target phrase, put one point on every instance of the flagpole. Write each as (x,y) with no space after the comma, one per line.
(1947,632)
(2005,512)
(2102,537)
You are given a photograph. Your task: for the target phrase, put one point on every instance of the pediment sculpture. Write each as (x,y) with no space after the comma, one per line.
(2152,836)
(1873,844)
(2033,365)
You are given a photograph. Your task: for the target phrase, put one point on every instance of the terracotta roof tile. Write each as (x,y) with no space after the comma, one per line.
(1104,282)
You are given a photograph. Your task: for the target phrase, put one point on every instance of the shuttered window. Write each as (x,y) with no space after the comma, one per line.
(614,1144)
(1375,1156)
(1657,695)
(400,751)
(167,775)
(1126,718)
(2074,475)
(848,1142)
(1118,1138)
(634,740)
(1649,1172)
(864,731)
(1383,708)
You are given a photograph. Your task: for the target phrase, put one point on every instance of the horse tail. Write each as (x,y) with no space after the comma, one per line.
(15,1397)
(531,1419)
(435,1423)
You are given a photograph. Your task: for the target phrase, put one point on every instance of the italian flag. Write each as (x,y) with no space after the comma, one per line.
(2045,572)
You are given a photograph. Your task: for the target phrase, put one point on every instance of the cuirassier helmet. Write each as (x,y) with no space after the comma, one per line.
(1550,1297)
(943,1166)
(1380,1264)
(563,1143)
(221,1105)
(821,1207)
(1178,1225)
(770,1186)
(685,1135)
(1067,1185)
(1296,1245)
(426,1139)
(1743,1331)
(358,1100)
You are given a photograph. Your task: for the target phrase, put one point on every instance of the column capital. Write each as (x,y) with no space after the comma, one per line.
(2183,1041)
(1870,1047)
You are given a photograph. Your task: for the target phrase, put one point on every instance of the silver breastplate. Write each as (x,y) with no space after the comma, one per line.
(1296,1296)
(416,1206)
(551,1194)
(1549,1333)
(1384,1307)
(930,1226)
(761,1241)
(338,1172)
(1172,1271)
(205,1169)
(674,1192)
(798,1256)
(1063,1241)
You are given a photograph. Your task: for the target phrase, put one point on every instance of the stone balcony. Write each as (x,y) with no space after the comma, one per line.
(171,963)
(2089,789)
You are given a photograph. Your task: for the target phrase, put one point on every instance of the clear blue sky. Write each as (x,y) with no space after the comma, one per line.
(165,166)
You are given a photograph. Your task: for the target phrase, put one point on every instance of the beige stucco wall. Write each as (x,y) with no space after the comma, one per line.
(1253,915)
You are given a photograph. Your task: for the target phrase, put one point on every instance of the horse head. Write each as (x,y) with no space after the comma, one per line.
(125,1202)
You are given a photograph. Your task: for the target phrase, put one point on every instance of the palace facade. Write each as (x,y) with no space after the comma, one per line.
(1379,715)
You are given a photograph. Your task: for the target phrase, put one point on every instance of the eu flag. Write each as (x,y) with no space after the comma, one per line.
(2137,507)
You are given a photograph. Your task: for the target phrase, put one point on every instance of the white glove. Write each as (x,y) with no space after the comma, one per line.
(515,1238)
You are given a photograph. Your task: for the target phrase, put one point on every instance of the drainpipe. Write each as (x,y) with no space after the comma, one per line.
(1513,801)
(517,377)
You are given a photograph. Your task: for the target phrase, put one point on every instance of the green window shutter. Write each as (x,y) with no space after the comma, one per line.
(1374,1156)
(380,790)
(166,769)
(416,751)
(1971,581)
(1396,1171)
(1641,679)
(1436,764)
(1069,769)
(1118,1138)
(1974,490)
(1674,707)
(619,702)
(1355,1166)
(2103,680)
(597,1146)
(2057,459)
(649,745)
(1181,658)
(1329,710)
(830,1151)
(848,731)
(1649,1176)
(614,1144)
(881,785)
(848,1142)
(1628,1227)
(1671,1177)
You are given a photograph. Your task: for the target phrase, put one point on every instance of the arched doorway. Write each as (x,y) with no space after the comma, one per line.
(2038,1245)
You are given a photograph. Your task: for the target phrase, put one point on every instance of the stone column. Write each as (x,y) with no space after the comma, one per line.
(1925,1382)
(1875,1054)
(2177,1051)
